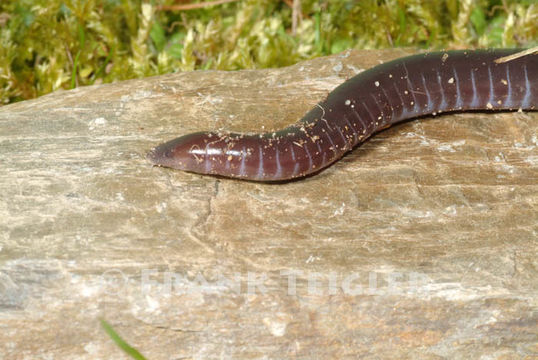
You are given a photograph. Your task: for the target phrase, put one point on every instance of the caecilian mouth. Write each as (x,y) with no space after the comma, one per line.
(158,157)
(152,156)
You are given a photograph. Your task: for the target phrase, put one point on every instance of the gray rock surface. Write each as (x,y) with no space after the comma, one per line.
(421,243)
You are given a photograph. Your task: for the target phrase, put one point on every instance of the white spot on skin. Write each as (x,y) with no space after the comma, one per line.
(451,80)
(489,106)
(348,102)
(376,83)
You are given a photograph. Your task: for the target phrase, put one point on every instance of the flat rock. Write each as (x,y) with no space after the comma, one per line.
(421,243)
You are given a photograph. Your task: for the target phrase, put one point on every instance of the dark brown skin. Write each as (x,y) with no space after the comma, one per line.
(373,100)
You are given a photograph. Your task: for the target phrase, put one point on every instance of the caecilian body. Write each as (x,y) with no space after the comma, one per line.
(377,98)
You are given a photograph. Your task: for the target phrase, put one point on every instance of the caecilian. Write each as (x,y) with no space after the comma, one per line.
(377,98)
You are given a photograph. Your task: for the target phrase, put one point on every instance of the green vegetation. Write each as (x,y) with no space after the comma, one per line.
(128,349)
(50,44)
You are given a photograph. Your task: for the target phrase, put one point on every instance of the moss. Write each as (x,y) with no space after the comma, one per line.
(50,44)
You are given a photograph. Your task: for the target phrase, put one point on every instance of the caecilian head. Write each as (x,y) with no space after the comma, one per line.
(191,152)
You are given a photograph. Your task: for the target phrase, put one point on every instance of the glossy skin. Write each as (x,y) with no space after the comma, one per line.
(374,99)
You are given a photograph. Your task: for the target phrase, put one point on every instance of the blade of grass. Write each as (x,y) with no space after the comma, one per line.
(132,352)
(74,72)
(317,39)
(103,66)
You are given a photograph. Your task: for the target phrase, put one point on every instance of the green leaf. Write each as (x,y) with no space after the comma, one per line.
(478,19)
(496,30)
(158,36)
(175,46)
(402,20)
(74,71)
(132,352)
(318,34)
(341,45)
(81,36)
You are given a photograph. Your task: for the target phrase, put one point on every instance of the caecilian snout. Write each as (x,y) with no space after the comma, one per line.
(187,152)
